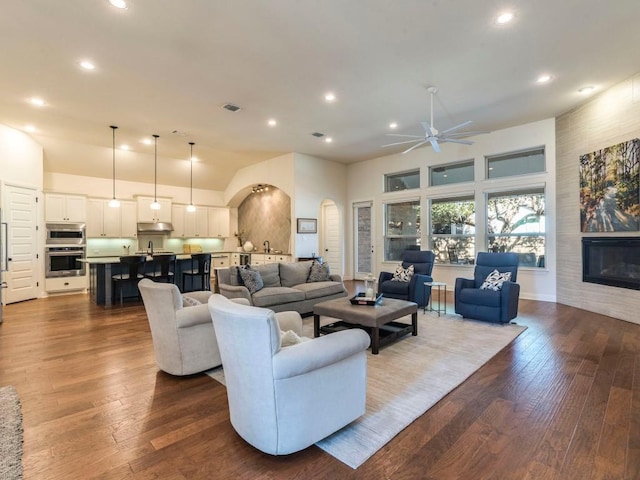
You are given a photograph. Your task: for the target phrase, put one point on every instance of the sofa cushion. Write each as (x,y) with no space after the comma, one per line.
(234,276)
(276,296)
(294,273)
(320,289)
(270,273)
(394,287)
(319,272)
(251,279)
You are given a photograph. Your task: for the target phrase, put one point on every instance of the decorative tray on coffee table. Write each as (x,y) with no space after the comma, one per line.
(360,299)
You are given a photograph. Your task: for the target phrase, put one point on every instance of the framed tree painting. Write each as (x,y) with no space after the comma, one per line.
(610,188)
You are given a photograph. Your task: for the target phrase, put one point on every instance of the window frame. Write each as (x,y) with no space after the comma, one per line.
(489,158)
(387,176)
(453,256)
(460,163)
(385,234)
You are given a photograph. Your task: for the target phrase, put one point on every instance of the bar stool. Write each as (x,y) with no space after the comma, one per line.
(132,264)
(203,271)
(162,268)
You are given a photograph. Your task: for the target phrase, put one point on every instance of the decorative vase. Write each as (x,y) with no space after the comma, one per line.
(248,246)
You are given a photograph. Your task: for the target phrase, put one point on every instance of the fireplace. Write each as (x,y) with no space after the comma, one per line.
(613,261)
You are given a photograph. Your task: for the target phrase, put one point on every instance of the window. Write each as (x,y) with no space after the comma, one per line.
(453,228)
(454,173)
(402,228)
(516,224)
(516,163)
(402,181)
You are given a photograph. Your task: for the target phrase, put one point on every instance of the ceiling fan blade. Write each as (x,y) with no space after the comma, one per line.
(401,143)
(457,127)
(400,135)
(415,146)
(434,144)
(467,134)
(455,140)
(428,129)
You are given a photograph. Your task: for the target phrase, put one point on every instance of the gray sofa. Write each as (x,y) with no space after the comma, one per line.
(285,287)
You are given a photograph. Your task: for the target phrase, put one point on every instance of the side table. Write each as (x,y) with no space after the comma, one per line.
(442,307)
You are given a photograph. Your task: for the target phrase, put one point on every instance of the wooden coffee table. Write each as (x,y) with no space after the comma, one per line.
(378,321)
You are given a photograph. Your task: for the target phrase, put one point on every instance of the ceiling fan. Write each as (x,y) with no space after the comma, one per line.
(432,135)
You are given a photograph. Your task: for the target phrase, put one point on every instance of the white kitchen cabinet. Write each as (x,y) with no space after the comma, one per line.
(196,224)
(146,214)
(60,207)
(219,219)
(104,221)
(128,219)
(178,213)
(220,261)
(66,284)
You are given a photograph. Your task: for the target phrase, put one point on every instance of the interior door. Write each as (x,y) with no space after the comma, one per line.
(331,238)
(363,239)
(20,212)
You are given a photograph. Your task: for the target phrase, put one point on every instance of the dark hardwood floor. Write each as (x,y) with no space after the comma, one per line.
(561,402)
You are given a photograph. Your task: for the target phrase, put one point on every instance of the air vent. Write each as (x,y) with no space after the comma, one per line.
(231,107)
(318,134)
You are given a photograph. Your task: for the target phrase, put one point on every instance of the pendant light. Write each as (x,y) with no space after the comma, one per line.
(155,205)
(114,203)
(191,207)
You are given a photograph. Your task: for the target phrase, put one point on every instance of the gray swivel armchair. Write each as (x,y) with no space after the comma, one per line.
(282,400)
(498,306)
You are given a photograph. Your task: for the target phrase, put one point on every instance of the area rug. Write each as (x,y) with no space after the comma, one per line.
(10,434)
(410,376)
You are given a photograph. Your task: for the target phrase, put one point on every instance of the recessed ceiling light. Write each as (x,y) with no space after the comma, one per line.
(393,125)
(125,147)
(30,128)
(38,102)
(146,141)
(87,65)
(504,18)
(272,122)
(328,139)
(122,4)
(330,97)
(588,89)
(544,78)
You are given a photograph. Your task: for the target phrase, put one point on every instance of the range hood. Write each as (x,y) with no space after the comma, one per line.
(154,227)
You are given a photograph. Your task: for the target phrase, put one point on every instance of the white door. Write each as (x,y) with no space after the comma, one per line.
(20,211)
(331,238)
(363,239)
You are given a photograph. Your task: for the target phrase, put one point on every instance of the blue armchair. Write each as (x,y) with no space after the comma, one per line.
(414,291)
(498,306)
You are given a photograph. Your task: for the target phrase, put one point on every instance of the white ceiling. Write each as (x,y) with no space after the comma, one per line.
(170,65)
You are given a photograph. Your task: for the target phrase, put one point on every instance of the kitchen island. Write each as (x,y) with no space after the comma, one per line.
(101,269)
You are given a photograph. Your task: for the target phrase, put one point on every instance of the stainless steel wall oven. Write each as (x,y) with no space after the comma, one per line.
(62,261)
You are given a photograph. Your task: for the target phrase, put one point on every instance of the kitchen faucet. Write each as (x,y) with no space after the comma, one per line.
(150,248)
(267,246)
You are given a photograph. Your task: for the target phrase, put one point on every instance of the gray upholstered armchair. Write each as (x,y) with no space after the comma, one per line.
(282,400)
(413,291)
(498,306)
(184,341)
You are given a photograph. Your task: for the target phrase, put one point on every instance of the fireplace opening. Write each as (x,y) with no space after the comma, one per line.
(613,261)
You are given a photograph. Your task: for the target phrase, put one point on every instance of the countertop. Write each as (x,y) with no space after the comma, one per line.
(96,260)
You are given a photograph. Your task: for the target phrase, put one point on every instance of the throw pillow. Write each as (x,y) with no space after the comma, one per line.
(188,301)
(495,280)
(290,337)
(403,274)
(319,272)
(251,279)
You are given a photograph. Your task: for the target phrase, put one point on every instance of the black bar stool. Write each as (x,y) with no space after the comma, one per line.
(161,268)
(132,264)
(202,271)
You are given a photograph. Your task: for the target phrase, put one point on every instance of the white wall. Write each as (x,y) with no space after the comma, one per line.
(316,180)
(103,188)
(608,119)
(366,183)
(21,158)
